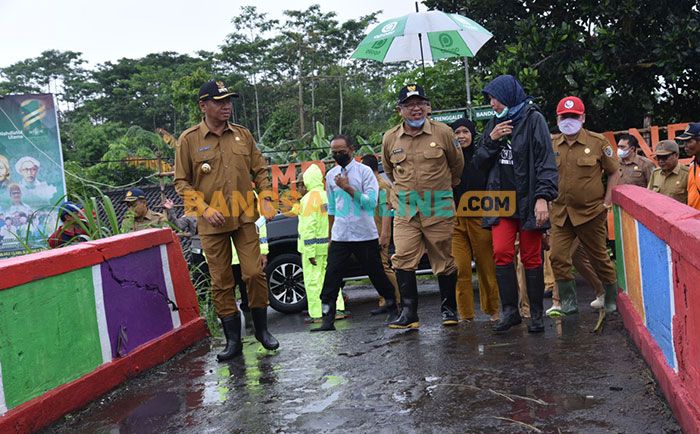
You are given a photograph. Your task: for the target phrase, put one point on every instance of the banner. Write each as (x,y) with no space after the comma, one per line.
(32,180)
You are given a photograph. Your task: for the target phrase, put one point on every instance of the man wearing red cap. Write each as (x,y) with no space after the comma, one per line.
(581,208)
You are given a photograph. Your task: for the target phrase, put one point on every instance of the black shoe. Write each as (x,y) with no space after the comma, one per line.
(408,286)
(379,311)
(261,334)
(328,318)
(392,311)
(448,299)
(534,279)
(508,290)
(232,332)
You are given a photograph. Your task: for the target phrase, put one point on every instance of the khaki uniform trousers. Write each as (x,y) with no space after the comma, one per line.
(583,266)
(217,248)
(471,241)
(386,263)
(412,238)
(593,238)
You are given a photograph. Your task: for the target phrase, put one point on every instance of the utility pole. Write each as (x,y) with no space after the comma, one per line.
(313,105)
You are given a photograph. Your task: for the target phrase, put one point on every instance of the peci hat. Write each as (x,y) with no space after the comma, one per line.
(666,147)
(691,132)
(411,90)
(134,194)
(215,90)
(571,104)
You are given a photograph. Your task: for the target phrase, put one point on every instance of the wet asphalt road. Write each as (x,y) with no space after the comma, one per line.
(366,378)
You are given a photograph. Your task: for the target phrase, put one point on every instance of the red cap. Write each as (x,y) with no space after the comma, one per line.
(571,104)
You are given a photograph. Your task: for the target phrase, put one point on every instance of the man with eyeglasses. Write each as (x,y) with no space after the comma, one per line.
(670,178)
(424,160)
(691,138)
(138,216)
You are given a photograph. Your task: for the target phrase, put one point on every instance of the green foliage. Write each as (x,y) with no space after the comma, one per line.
(625,59)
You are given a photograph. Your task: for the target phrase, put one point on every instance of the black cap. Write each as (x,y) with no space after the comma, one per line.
(692,132)
(411,90)
(215,90)
(133,194)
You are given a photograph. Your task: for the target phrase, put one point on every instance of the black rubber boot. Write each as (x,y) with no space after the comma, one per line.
(248,319)
(232,332)
(392,311)
(379,311)
(535,292)
(260,324)
(328,317)
(448,299)
(508,290)
(408,286)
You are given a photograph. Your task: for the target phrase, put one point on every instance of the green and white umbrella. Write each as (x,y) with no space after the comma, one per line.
(404,38)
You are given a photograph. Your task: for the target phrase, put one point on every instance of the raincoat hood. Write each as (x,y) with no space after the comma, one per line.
(313,178)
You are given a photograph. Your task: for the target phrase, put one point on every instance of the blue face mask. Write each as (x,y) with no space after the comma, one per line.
(415,123)
(502,114)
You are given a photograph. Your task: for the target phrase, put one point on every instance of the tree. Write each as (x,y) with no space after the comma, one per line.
(625,59)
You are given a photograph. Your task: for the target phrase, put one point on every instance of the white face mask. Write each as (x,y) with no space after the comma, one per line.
(622,153)
(570,126)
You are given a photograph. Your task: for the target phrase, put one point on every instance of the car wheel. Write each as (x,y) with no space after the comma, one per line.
(285,280)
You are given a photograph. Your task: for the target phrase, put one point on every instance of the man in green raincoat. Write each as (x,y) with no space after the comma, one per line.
(313,240)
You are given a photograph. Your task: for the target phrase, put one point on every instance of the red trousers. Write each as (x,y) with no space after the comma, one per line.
(503,235)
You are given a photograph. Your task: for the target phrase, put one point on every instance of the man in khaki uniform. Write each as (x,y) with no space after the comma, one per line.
(581,208)
(139,216)
(671,178)
(423,159)
(634,169)
(215,162)
(382,218)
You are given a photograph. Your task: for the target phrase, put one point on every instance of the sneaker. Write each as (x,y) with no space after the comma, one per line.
(599,302)
(554,311)
(309,320)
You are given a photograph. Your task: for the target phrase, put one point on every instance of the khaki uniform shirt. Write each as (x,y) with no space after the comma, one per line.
(151,220)
(385,192)
(673,184)
(581,166)
(636,171)
(233,162)
(429,162)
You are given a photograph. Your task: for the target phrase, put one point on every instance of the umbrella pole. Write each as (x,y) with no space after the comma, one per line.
(469,87)
(422,59)
(420,42)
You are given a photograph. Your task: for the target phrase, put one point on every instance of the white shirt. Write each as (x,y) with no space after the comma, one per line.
(354,217)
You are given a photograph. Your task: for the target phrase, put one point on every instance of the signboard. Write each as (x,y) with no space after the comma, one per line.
(447,117)
(32,180)
(482,113)
(479,113)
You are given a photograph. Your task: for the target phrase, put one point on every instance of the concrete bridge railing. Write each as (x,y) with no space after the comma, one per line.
(78,321)
(658,268)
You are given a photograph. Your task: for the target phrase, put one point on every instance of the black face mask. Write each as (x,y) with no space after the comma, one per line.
(341,158)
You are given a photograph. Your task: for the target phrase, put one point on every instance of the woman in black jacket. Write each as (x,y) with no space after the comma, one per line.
(516,149)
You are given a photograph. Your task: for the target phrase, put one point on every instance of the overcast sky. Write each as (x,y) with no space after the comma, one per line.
(108,30)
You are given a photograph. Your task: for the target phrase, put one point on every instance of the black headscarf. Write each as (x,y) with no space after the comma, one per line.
(464,122)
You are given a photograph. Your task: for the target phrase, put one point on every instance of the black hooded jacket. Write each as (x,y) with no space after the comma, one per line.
(536,174)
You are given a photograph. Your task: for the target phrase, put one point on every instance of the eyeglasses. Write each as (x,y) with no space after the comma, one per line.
(420,103)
